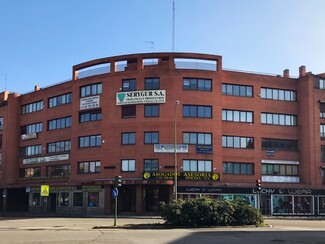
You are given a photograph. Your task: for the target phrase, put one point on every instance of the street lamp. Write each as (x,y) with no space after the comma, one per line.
(175,150)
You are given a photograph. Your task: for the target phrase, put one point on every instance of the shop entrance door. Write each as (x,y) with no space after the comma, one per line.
(51,203)
(266,205)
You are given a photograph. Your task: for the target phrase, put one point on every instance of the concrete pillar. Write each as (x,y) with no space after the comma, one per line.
(139,199)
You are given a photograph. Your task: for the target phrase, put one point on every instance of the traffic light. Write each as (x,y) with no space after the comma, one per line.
(118,181)
(258,185)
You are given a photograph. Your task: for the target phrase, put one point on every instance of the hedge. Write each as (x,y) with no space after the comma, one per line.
(205,211)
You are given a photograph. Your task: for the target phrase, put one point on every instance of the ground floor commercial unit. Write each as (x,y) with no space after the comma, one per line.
(144,199)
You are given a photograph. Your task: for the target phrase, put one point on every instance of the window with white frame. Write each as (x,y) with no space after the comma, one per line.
(128,165)
(197,138)
(193,165)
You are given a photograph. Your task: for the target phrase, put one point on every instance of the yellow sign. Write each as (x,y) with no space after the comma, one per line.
(45,190)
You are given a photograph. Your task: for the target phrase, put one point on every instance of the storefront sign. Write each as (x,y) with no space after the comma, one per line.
(89,102)
(204,149)
(56,188)
(25,137)
(248,190)
(181,176)
(53,158)
(270,153)
(170,148)
(95,188)
(141,97)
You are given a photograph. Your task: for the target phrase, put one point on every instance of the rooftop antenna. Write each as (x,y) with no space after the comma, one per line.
(173,34)
(152,44)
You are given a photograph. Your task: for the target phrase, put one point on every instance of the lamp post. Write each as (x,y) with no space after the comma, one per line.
(175,150)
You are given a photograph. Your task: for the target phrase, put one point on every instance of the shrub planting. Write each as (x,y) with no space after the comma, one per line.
(205,211)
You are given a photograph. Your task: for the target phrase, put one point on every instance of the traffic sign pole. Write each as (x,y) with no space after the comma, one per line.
(115,217)
(115,196)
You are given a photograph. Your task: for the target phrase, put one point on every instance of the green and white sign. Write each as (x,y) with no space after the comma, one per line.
(141,97)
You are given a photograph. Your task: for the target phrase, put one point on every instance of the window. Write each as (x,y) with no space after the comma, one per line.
(32,107)
(59,146)
(237,90)
(64,199)
(1,123)
(30,172)
(60,100)
(58,170)
(32,128)
(60,123)
(151,165)
(197,165)
(93,115)
(322,172)
(151,137)
(93,199)
(197,84)
(90,141)
(128,138)
(196,138)
(152,84)
(128,111)
(278,94)
(238,168)
(280,169)
(197,111)
(89,167)
(278,119)
(78,199)
(322,109)
(36,199)
(322,131)
(237,116)
(322,153)
(128,165)
(31,150)
(129,85)
(321,84)
(279,144)
(91,90)
(151,110)
(238,142)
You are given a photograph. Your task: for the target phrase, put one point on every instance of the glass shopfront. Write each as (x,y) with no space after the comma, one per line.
(274,201)
(321,205)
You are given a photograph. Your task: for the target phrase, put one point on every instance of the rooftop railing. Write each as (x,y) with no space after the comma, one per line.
(94,71)
(196,65)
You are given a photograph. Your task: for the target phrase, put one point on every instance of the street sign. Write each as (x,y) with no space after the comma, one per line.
(115,193)
(45,190)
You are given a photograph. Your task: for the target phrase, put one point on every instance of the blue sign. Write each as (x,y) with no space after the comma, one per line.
(115,193)
(204,149)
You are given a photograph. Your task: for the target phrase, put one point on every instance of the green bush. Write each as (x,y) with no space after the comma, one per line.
(208,212)
(246,214)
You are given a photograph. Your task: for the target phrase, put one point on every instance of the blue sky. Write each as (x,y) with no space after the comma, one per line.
(40,40)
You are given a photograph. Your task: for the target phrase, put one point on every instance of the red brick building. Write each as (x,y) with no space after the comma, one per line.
(123,116)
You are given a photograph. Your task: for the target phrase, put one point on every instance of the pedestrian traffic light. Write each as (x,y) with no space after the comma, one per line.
(118,181)
(258,185)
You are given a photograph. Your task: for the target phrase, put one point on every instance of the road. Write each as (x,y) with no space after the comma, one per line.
(81,230)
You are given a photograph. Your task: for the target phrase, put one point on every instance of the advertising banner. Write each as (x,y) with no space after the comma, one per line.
(170,148)
(181,176)
(89,102)
(141,97)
